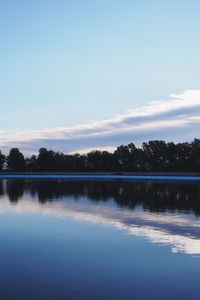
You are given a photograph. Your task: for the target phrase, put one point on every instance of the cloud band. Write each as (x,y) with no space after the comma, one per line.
(177,119)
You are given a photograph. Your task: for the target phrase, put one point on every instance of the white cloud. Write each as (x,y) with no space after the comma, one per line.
(177,118)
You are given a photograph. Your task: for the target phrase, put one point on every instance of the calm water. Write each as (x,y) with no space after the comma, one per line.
(67,239)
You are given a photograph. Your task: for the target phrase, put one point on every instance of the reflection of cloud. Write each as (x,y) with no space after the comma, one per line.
(178,115)
(180,232)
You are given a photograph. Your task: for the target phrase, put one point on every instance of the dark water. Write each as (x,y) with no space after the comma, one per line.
(67,239)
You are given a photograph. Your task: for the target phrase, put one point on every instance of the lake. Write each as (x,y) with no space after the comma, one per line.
(99,239)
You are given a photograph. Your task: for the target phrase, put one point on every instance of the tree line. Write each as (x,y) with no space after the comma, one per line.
(152,156)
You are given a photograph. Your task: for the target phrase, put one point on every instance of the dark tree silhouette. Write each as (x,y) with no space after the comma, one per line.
(99,161)
(2,161)
(32,164)
(156,155)
(130,158)
(46,160)
(153,156)
(16,161)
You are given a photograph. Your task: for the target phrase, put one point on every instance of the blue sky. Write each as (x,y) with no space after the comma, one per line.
(64,63)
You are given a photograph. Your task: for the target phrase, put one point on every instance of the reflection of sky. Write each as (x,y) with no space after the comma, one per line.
(180,231)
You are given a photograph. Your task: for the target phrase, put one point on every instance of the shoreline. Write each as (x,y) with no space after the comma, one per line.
(105,176)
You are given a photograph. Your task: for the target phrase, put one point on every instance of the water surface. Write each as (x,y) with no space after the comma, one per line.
(105,239)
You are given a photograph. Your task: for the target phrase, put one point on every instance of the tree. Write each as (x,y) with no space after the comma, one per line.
(195,154)
(32,164)
(45,160)
(122,155)
(155,156)
(16,161)
(2,161)
(130,158)
(50,161)
(183,154)
(156,153)
(100,161)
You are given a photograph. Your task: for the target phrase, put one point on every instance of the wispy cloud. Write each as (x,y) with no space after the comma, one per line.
(176,118)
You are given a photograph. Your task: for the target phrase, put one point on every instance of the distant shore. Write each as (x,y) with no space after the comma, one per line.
(168,176)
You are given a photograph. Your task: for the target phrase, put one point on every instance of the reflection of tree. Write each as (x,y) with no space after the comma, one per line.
(151,195)
(15,190)
(1,188)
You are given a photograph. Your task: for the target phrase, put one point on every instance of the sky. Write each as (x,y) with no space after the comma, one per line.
(80,75)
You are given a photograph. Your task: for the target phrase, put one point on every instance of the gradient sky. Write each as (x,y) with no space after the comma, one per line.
(64,63)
